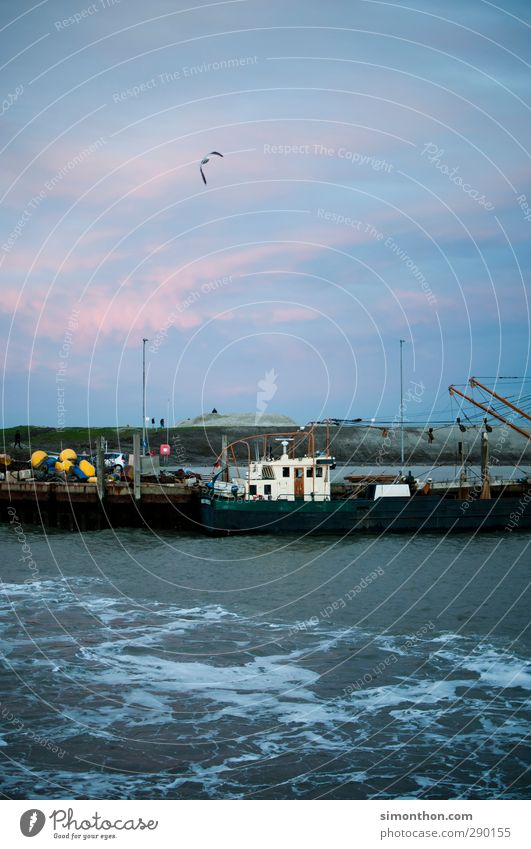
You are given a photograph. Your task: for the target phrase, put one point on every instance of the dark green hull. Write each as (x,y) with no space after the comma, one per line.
(420,514)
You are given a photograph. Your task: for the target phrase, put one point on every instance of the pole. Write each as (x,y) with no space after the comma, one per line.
(224,458)
(144,440)
(485,475)
(137,481)
(167,459)
(463,491)
(401,407)
(100,466)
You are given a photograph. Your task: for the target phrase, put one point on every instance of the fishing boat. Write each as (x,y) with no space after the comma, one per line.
(281,483)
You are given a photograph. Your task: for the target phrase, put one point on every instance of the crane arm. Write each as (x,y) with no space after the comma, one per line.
(473,382)
(453,391)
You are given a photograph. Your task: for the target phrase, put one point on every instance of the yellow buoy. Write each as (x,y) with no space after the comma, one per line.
(63,466)
(38,458)
(87,468)
(68,454)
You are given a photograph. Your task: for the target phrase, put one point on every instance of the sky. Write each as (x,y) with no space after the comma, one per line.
(374,186)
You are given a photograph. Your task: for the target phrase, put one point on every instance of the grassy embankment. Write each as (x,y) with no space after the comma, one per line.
(34,437)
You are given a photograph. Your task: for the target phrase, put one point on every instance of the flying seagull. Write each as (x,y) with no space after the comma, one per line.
(207,159)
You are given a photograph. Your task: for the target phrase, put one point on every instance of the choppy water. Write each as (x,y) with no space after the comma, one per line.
(138,665)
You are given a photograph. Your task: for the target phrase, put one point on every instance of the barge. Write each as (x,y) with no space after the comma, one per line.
(287,487)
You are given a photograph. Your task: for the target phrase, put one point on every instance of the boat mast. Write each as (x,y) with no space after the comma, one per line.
(225,475)
(485,473)
(473,382)
(453,391)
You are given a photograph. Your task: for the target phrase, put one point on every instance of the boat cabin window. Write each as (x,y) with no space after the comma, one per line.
(299,473)
(319,472)
(267,489)
(285,471)
(252,489)
(309,473)
(268,473)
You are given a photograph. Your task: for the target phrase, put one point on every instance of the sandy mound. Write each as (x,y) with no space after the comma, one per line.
(264,420)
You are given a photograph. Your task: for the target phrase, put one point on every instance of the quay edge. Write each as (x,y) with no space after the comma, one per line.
(78,506)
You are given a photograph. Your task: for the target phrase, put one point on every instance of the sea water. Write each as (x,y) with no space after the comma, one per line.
(140,664)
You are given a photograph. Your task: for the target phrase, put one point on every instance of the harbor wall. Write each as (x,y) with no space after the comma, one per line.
(78,507)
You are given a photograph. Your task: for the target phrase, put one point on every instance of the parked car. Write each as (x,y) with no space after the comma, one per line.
(115,460)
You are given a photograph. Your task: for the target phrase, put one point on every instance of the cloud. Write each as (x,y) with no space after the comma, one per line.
(126,230)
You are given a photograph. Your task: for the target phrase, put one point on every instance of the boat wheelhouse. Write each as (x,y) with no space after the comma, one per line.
(298,474)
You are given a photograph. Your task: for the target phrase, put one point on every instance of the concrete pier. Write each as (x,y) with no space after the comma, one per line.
(78,506)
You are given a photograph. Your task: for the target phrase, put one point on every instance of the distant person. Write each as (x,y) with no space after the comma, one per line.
(162,422)
(17,440)
(152,422)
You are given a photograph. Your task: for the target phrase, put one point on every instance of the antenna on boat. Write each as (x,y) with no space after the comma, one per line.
(285,441)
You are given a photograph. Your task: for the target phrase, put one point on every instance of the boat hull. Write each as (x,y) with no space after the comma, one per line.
(389,515)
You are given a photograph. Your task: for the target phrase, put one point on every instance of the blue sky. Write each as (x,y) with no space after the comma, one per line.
(374,186)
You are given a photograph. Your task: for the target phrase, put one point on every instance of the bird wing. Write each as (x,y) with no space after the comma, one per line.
(215,153)
(203,176)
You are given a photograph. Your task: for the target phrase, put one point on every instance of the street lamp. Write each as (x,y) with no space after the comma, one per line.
(144,440)
(401,408)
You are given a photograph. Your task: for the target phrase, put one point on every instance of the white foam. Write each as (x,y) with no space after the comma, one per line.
(447,638)
(495,667)
(150,709)
(500,670)
(427,692)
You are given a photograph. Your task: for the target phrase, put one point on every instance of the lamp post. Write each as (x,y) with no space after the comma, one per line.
(401,408)
(144,440)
